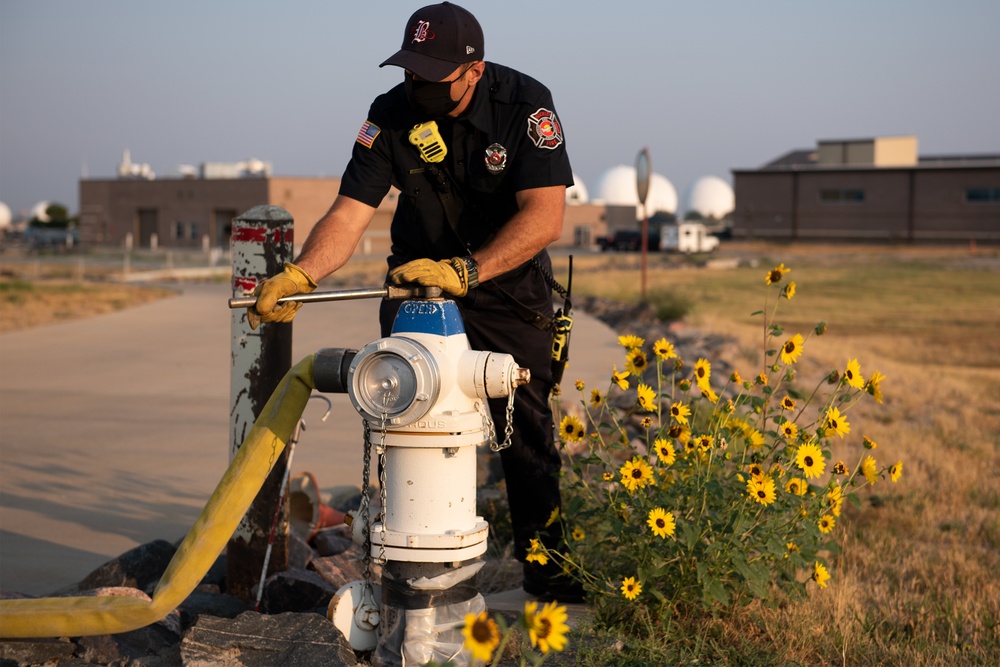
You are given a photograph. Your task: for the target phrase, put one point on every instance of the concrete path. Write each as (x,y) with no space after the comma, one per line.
(114,430)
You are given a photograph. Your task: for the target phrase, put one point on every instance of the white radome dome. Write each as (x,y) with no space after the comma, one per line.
(6,217)
(38,211)
(577,193)
(618,188)
(710,196)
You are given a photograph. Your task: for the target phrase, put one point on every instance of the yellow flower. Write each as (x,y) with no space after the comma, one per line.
(647,397)
(789,430)
(792,349)
(635,361)
(868,443)
(702,372)
(820,575)
(631,342)
(636,474)
(810,460)
(647,421)
(840,468)
(762,379)
(775,274)
(796,486)
(619,378)
(755,439)
(789,291)
(853,374)
(661,521)
(873,386)
(536,554)
(596,400)
(546,628)
(869,469)
(680,412)
(788,403)
(704,442)
(570,429)
(755,470)
(553,517)
(896,470)
(735,378)
(579,385)
(664,349)
(608,476)
(707,392)
(664,451)
(762,490)
(837,422)
(826,524)
(482,636)
(631,588)
(835,499)
(578,534)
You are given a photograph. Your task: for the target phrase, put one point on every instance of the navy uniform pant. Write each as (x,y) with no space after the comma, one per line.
(531,464)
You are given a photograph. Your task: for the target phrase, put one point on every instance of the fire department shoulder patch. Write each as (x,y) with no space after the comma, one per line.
(544,129)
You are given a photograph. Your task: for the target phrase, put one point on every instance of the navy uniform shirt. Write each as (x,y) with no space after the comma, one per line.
(509,139)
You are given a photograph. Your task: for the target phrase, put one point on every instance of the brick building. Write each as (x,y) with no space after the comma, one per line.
(869,189)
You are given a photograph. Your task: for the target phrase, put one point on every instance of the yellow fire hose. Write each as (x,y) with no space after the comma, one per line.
(80,616)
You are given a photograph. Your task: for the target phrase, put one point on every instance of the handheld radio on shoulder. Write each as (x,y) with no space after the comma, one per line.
(428,141)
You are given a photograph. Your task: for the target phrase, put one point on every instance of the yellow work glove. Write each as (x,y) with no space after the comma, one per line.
(292,280)
(451,275)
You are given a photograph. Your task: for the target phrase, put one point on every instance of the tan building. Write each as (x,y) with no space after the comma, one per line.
(197,212)
(870,189)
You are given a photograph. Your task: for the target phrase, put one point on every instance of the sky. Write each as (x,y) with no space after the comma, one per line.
(706,87)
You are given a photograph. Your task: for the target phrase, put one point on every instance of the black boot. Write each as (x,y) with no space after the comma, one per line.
(548,582)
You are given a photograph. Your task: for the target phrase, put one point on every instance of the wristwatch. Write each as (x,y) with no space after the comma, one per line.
(472,269)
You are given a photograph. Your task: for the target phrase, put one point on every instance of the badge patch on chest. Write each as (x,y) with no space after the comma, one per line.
(544,129)
(496,158)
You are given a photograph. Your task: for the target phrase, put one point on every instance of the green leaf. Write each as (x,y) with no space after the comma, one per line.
(756,312)
(853,499)
(690,537)
(713,590)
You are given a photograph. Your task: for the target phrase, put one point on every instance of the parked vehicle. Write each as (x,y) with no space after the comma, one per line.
(629,240)
(687,237)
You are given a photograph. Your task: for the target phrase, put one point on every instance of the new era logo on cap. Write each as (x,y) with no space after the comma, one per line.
(438,38)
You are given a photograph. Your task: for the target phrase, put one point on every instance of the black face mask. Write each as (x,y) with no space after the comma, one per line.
(431,98)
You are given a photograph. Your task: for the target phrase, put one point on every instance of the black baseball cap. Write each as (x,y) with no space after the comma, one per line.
(438,39)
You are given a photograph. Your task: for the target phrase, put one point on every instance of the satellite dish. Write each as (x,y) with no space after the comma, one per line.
(643,169)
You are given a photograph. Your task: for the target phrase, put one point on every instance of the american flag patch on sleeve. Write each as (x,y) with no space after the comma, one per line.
(367,134)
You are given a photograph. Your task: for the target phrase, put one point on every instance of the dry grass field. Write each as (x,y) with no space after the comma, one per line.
(918,579)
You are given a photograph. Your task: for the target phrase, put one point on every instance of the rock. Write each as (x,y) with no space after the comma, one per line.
(139,568)
(35,651)
(211,604)
(296,590)
(332,541)
(121,647)
(255,640)
(345,568)
(300,554)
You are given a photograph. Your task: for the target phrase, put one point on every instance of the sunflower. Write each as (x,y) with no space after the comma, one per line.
(761,379)
(826,524)
(571,429)
(647,421)
(631,341)
(873,386)
(852,374)
(635,361)
(835,499)
(646,397)
(796,486)
(755,470)
(761,490)
(735,377)
(837,422)
(707,392)
(482,636)
(810,460)
(755,438)
(578,534)
(792,349)
(820,575)
(619,378)
(774,275)
(631,588)
(596,399)
(702,372)
(788,403)
(680,412)
(636,474)
(664,349)
(869,469)
(789,291)
(840,468)
(536,553)
(896,470)
(661,522)
(608,476)
(580,385)
(664,451)
(546,628)
(789,430)
(704,442)
(868,443)
(553,517)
